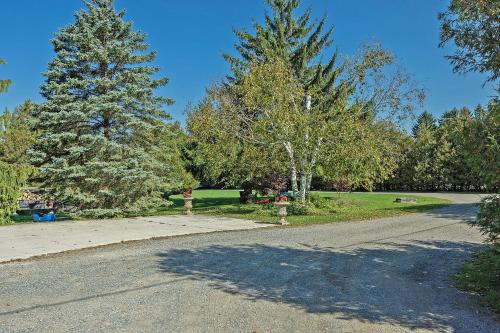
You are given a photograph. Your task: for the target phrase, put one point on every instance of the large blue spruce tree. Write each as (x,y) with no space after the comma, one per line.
(99,152)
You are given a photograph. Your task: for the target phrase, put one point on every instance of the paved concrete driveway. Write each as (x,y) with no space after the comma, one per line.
(390,275)
(23,241)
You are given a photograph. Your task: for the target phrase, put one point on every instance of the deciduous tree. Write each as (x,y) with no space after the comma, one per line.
(474,27)
(282,100)
(17,134)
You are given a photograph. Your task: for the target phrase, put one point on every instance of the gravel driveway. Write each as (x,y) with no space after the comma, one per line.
(389,275)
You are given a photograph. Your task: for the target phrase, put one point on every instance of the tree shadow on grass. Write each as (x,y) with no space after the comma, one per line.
(407,285)
(218,205)
(204,203)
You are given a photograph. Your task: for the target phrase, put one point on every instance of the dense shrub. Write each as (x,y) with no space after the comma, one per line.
(319,204)
(488,219)
(274,183)
(316,200)
(339,184)
(12,178)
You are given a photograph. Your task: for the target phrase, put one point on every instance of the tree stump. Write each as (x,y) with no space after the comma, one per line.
(406,200)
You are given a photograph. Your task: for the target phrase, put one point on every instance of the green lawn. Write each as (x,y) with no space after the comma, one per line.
(342,207)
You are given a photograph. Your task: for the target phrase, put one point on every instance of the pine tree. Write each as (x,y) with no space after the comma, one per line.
(483,145)
(292,38)
(98,149)
(427,120)
(4,84)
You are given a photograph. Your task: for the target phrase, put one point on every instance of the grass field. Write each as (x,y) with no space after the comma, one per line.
(342,207)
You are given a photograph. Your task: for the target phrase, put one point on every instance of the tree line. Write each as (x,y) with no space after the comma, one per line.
(457,152)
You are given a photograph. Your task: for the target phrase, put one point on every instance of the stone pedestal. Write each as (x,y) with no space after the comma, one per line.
(282,214)
(188,205)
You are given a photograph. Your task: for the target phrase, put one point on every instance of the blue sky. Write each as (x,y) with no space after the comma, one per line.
(191,36)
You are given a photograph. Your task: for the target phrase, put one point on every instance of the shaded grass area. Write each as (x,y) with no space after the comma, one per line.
(481,275)
(20,219)
(341,207)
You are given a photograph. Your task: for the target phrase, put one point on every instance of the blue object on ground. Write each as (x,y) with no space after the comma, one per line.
(50,217)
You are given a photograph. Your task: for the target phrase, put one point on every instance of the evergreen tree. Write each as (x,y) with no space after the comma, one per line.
(295,40)
(302,43)
(98,150)
(483,145)
(423,160)
(461,153)
(452,138)
(4,84)
(427,120)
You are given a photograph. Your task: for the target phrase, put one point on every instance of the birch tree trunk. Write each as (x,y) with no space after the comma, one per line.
(303,182)
(313,164)
(309,177)
(293,168)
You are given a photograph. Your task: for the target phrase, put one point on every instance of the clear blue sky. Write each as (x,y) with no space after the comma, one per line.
(191,35)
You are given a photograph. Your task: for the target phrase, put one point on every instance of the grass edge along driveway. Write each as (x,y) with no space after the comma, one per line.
(338,208)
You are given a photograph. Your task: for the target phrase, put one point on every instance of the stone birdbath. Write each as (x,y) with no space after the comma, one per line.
(188,202)
(282,204)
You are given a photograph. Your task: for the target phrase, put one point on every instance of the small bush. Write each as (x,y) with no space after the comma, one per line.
(316,200)
(488,219)
(482,275)
(320,204)
(298,208)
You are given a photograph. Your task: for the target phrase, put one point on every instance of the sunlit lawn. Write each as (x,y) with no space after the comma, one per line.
(347,206)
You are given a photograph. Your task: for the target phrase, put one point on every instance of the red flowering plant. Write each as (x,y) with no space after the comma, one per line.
(264,201)
(188,193)
(281,198)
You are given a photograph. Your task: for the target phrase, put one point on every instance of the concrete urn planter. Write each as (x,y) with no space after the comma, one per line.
(188,202)
(282,213)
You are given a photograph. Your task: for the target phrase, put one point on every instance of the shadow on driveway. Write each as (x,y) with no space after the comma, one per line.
(456,211)
(408,285)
